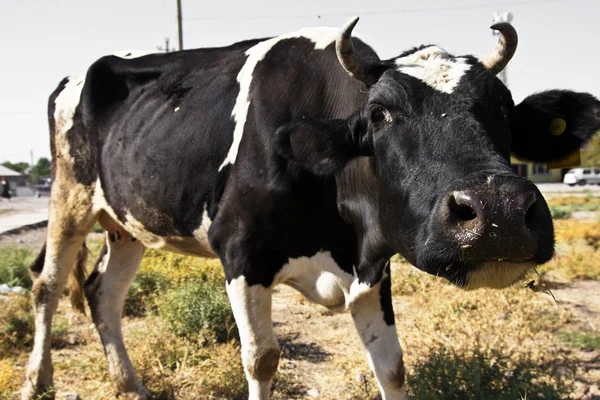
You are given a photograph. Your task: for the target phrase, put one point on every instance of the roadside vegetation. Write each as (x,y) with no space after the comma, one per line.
(517,343)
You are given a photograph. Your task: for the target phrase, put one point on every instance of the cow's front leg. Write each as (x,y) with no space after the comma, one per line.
(374,319)
(251,307)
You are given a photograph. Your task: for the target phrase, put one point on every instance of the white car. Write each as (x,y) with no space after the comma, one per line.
(582,176)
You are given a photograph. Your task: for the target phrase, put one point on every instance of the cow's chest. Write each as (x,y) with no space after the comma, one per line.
(319,279)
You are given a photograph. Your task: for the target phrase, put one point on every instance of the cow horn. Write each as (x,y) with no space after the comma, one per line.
(497,60)
(353,63)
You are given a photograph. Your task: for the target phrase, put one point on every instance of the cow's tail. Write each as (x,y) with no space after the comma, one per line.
(77,280)
(76,277)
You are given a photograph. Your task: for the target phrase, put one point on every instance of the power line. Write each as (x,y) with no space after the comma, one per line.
(388,12)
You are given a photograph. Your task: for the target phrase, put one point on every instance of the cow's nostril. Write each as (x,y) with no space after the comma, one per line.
(460,208)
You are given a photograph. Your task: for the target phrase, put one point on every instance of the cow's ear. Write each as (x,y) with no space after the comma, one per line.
(552,125)
(322,147)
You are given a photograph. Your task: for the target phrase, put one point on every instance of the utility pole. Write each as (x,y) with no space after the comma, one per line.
(179,27)
(501,17)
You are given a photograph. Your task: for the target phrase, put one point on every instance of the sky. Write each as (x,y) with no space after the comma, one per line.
(46,40)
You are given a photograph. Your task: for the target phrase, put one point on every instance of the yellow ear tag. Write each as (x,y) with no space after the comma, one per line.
(558,126)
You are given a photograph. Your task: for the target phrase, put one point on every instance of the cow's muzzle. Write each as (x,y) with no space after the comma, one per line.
(501,220)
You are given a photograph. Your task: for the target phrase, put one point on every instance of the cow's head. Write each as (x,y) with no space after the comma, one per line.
(440,130)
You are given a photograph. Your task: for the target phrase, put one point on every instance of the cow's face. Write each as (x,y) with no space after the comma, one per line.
(440,130)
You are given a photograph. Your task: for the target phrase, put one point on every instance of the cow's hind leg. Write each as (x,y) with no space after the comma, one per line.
(374,320)
(105,290)
(70,219)
(251,307)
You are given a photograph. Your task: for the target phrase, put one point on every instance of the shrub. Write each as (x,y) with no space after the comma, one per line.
(97,228)
(9,380)
(198,310)
(577,203)
(490,376)
(160,272)
(175,367)
(561,212)
(140,299)
(571,230)
(14,266)
(177,269)
(577,340)
(575,260)
(16,323)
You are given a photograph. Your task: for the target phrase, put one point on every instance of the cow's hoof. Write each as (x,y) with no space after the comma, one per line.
(141,393)
(37,392)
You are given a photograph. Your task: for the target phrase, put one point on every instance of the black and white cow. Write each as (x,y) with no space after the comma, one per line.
(301,159)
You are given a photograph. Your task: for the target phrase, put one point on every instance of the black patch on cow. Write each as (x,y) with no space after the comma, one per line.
(531,138)
(385,296)
(82,151)
(95,273)
(37,265)
(164,134)
(272,209)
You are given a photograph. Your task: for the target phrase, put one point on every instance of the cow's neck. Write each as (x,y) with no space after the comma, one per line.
(358,204)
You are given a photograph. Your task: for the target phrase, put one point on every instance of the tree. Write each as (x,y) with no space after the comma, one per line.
(42,168)
(591,156)
(19,167)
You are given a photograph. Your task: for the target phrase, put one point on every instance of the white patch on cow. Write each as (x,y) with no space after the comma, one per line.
(116,272)
(321,280)
(321,37)
(381,343)
(176,109)
(100,203)
(251,306)
(139,231)
(65,104)
(201,233)
(384,355)
(432,67)
(318,278)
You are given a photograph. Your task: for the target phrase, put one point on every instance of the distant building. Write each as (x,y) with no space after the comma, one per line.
(541,173)
(13,177)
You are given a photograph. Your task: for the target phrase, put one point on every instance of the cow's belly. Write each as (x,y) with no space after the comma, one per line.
(195,245)
(319,279)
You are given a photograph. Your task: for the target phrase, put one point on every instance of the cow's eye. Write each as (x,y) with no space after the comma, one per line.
(380,115)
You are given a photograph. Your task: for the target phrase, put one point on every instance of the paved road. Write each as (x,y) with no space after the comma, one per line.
(21,211)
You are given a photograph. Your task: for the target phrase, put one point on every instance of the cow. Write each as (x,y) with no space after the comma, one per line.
(301,159)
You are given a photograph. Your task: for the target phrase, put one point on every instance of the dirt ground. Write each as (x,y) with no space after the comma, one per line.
(322,350)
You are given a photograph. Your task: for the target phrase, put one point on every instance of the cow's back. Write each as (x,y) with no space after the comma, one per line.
(162,125)
(178,137)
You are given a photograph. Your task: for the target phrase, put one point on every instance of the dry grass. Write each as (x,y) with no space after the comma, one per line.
(10,378)
(521,339)
(580,203)
(499,325)
(577,250)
